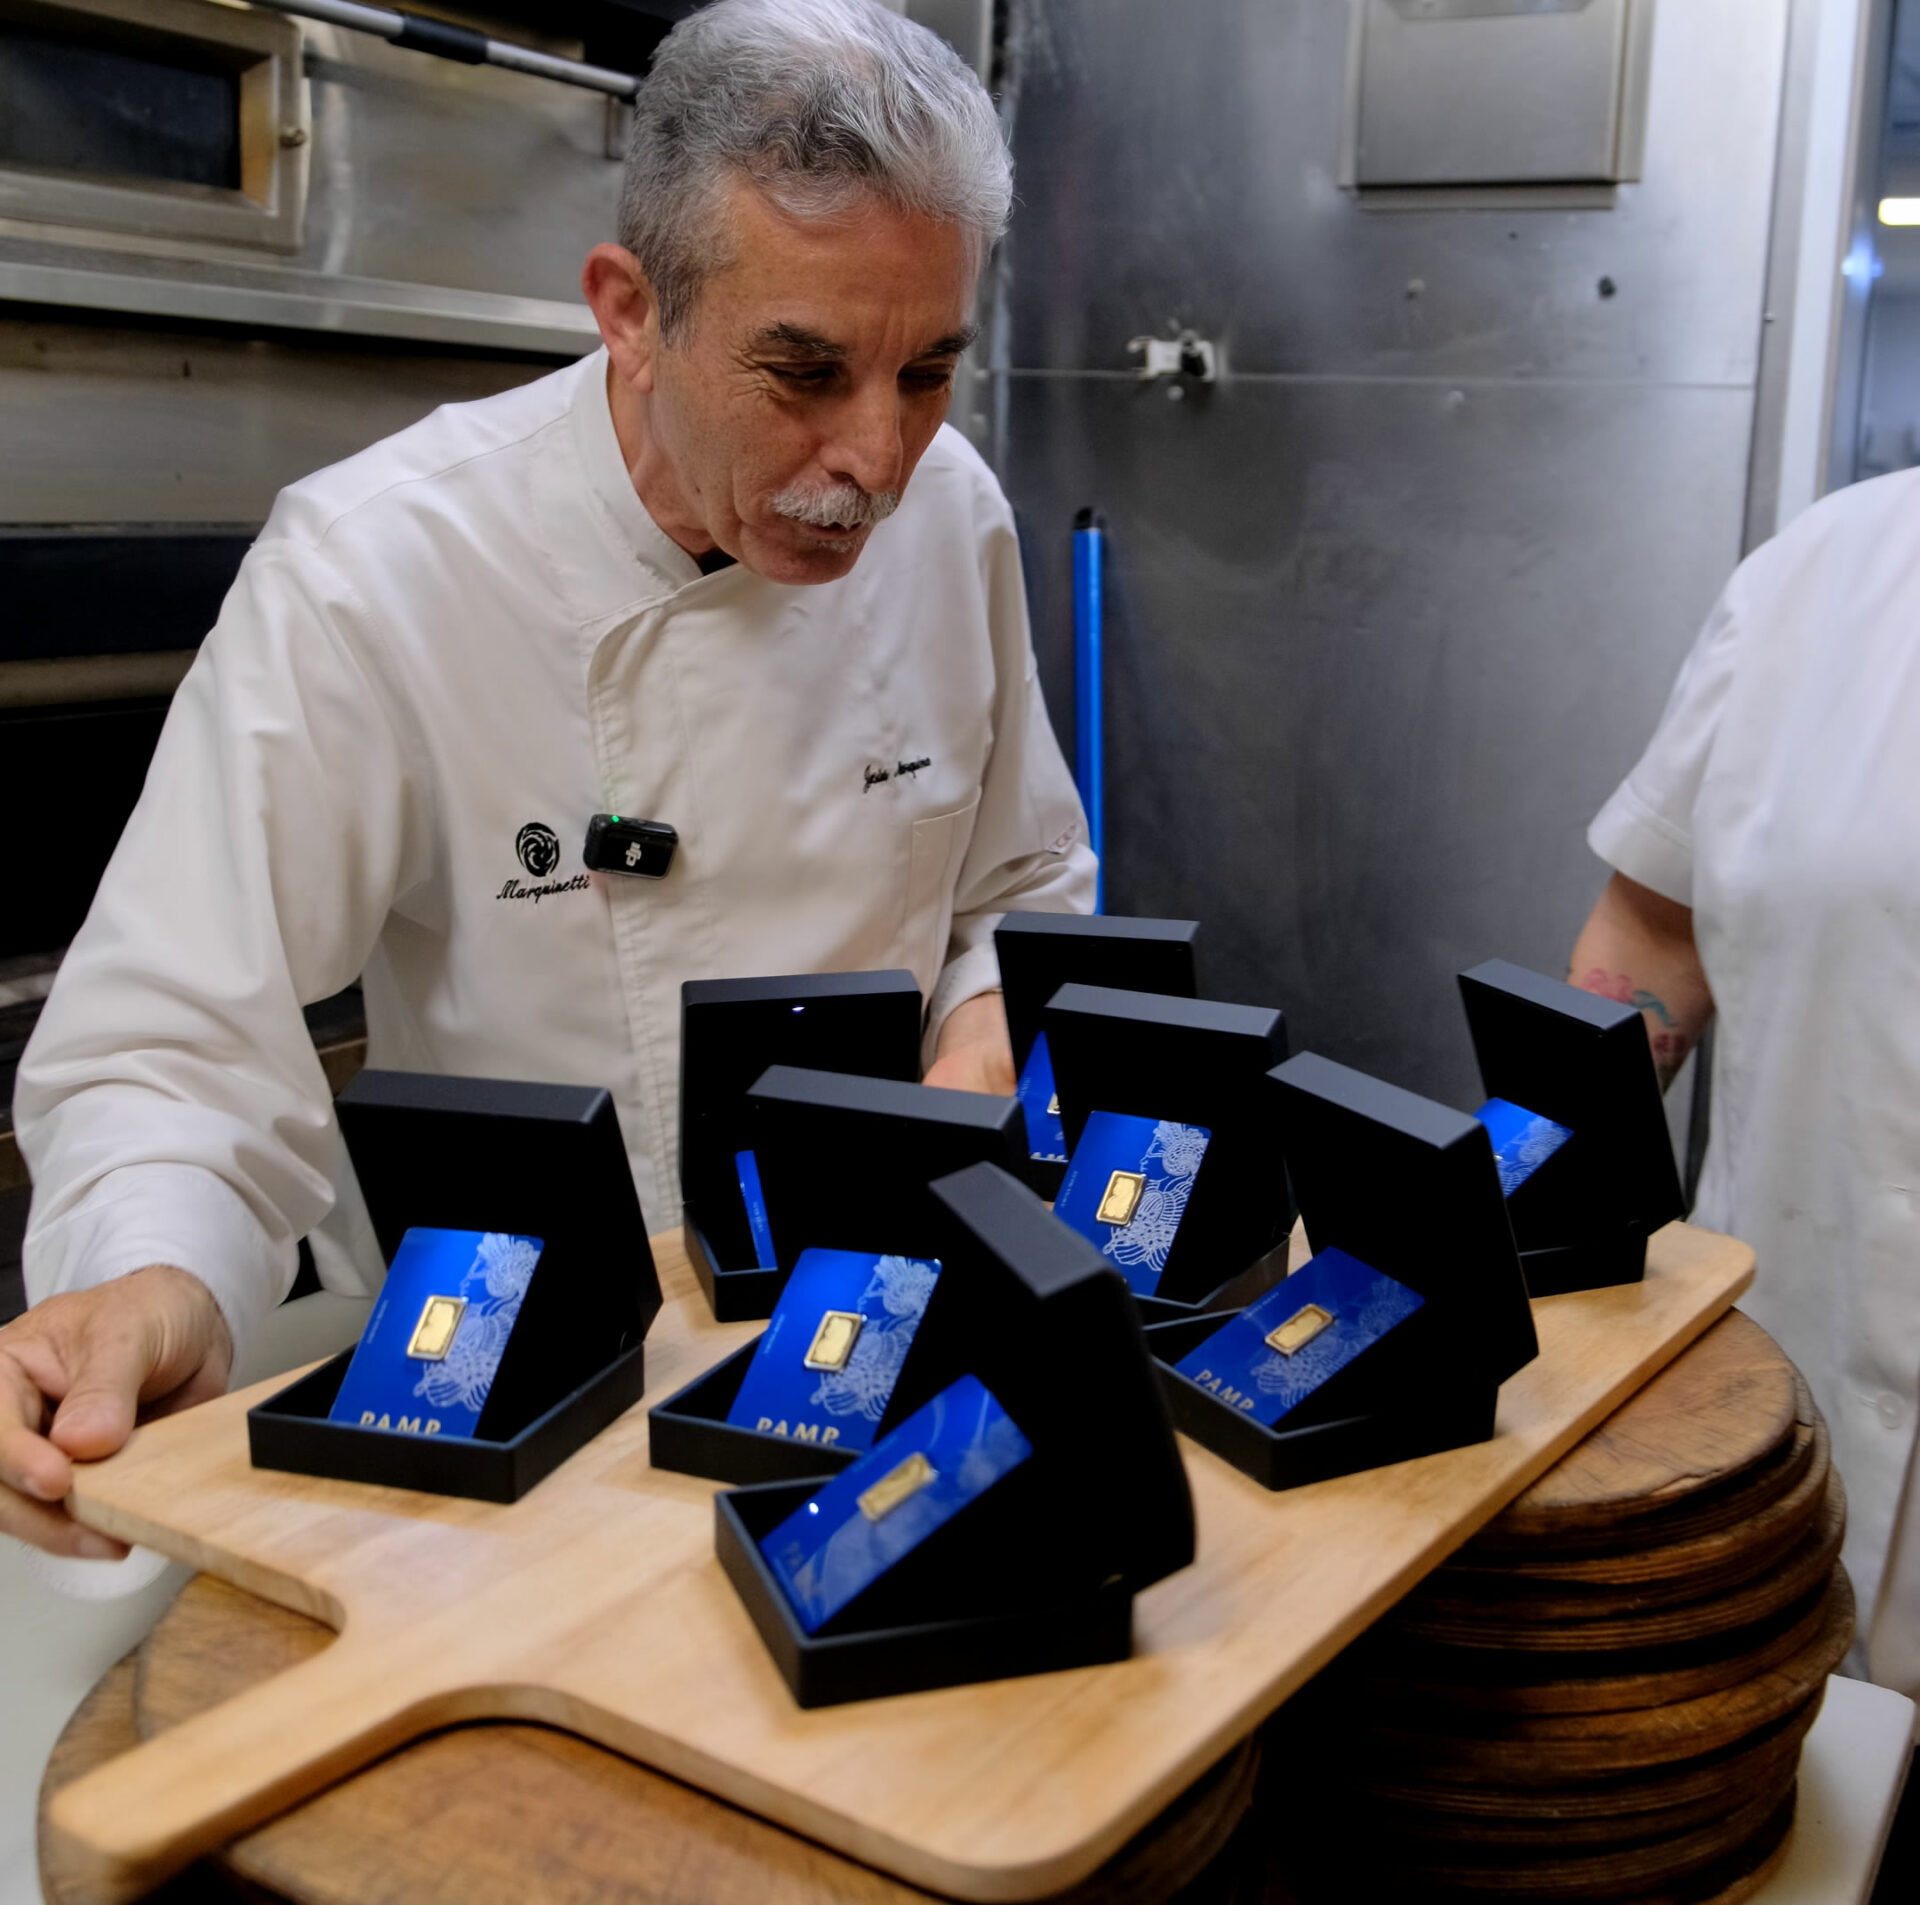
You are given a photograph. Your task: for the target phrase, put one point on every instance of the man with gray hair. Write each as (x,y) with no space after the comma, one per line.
(729,573)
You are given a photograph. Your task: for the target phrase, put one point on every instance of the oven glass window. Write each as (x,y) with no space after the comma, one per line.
(116,111)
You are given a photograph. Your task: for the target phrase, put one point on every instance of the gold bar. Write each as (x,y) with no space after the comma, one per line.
(833,1341)
(1299,1329)
(1121,1199)
(438,1325)
(898,1485)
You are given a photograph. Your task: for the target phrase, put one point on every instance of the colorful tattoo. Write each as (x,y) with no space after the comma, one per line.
(1616,985)
(1670,1044)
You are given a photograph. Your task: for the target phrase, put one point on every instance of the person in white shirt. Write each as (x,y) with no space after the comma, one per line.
(1767,849)
(685,580)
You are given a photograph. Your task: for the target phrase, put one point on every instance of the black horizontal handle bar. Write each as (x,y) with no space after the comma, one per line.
(447,42)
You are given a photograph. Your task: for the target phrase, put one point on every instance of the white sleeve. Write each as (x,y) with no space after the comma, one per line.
(1646,828)
(1029,848)
(170,1105)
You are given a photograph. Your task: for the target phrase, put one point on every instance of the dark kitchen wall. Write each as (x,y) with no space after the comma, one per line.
(1394,604)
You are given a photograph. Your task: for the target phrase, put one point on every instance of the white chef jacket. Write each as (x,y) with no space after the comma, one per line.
(1780,799)
(439,660)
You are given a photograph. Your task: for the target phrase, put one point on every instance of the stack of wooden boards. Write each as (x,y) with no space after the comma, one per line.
(1603,1696)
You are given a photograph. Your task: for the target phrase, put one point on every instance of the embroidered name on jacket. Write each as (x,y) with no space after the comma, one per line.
(872,777)
(520,890)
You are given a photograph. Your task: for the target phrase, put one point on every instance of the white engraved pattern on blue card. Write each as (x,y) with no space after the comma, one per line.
(747,1169)
(1046,1135)
(385,1388)
(828,1550)
(1522,1140)
(1236,1365)
(780,1395)
(1167,1155)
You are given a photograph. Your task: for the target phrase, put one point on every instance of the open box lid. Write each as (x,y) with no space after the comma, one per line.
(845,1162)
(1193,1062)
(1410,1187)
(731,1030)
(538,1160)
(1041,952)
(1049,1326)
(1584,1062)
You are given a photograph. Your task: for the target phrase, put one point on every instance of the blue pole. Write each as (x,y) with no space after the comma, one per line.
(1089,538)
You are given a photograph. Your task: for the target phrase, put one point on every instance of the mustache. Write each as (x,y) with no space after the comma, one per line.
(837,506)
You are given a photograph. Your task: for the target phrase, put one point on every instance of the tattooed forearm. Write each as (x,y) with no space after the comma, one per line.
(1670,1044)
(1670,1051)
(1616,985)
(1638,947)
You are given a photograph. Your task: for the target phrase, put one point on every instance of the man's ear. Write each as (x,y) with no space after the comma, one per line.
(627,312)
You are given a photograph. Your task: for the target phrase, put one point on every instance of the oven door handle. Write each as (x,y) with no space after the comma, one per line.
(460,43)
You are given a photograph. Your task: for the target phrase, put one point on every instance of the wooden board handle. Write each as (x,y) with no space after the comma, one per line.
(129,1825)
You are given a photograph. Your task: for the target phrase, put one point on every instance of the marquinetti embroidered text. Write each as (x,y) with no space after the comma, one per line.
(520,890)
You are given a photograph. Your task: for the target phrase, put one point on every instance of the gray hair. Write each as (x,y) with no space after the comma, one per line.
(818,103)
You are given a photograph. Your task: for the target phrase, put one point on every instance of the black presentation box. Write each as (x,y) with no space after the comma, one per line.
(1583,1218)
(1197,1062)
(1039,1574)
(731,1030)
(1041,952)
(291,1431)
(1391,1413)
(846,1161)
(1410,1188)
(689,1433)
(904,1136)
(492,1155)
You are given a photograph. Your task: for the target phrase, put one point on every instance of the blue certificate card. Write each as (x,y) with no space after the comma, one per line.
(1522,1140)
(747,1169)
(942,1459)
(1278,1352)
(825,1369)
(439,1327)
(1127,1189)
(1046,1136)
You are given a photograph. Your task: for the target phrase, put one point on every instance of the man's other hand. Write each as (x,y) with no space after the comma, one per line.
(976,1052)
(78,1370)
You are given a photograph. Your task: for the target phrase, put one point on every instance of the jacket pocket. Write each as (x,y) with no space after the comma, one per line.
(940,843)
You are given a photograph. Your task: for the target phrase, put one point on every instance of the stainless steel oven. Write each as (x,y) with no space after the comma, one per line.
(236,246)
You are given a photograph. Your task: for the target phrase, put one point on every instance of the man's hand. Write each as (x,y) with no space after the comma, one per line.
(975,1052)
(76,1372)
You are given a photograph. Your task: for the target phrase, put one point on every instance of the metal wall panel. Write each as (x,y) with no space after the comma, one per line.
(1393,606)
(1491,92)
(1181,162)
(1362,702)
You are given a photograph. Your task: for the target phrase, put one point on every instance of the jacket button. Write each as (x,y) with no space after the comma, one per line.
(1892,1410)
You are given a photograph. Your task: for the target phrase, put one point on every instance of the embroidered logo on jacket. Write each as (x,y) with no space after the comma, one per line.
(538,847)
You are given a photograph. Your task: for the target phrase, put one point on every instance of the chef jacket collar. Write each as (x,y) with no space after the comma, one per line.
(638,562)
